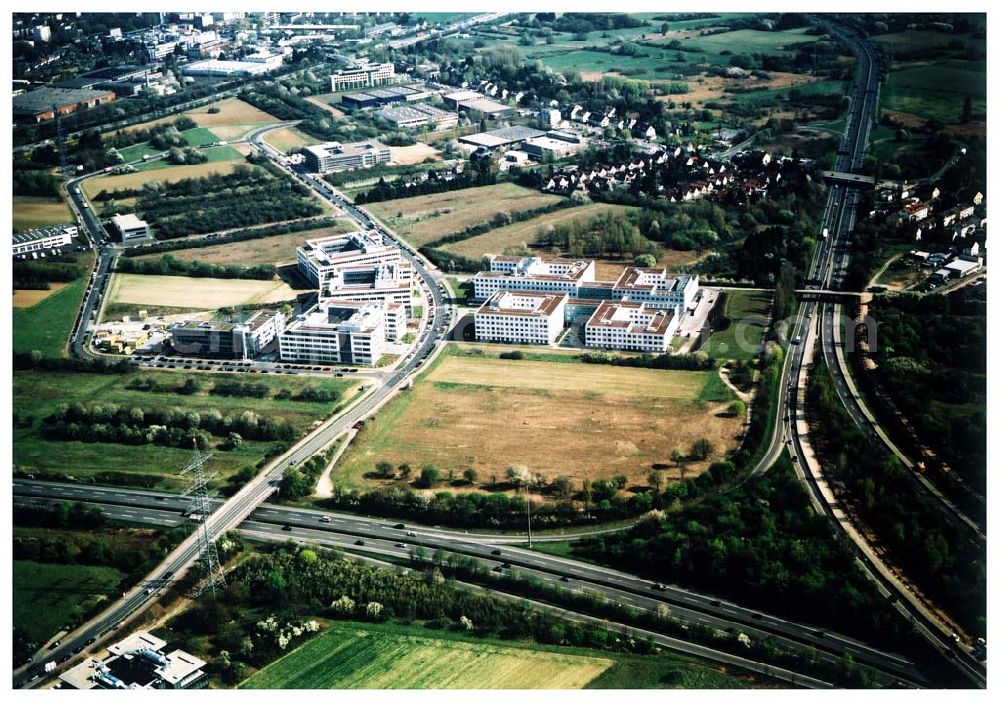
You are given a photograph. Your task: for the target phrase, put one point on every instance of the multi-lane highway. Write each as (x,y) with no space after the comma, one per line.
(354,533)
(825,273)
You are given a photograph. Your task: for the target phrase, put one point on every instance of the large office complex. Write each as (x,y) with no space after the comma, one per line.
(320,258)
(382,282)
(521,317)
(138,662)
(216,339)
(532,274)
(641,310)
(129,227)
(39,240)
(342,332)
(657,287)
(631,326)
(362,76)
(334,156)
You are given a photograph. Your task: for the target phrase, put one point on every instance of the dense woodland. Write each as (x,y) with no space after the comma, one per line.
(935,551)
(762,545)
(932,358)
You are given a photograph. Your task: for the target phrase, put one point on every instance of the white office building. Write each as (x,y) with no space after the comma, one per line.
(521,317)
(363,76)
(631,326)
(533,274)
(130,227)
(383,282)
(657,287)
(336,333)
(320,258)
(39,240)
(334,156)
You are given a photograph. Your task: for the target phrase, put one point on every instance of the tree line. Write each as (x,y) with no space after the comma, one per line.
(162,136)
(168,265)
(36,274)
(110,423)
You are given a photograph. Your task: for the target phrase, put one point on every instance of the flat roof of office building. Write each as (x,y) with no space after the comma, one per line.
(42,99)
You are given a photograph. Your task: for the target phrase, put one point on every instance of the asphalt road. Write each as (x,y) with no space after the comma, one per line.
(163,509)
(826,272)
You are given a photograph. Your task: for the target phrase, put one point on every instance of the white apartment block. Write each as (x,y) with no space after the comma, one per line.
(334,156)
(339,333)
(384,282)
(521,317)
(373,75)
(657,287)
(320,258)
(41,239)
(631,326)
(532,274)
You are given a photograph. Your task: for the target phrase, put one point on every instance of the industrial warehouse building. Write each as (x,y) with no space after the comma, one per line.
(343,332)
(129,227)
(42,239)
(256,65)
(320,258)
(631,326)
(554,144)
(138,663)
(42,103)
(521,317)
(217,339)
(504,137)
(477,105)
(334,156)
(409,116)
(375,97)
(362,76)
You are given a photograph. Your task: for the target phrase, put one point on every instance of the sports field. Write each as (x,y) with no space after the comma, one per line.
(286,139)
(554,417)
(276,249)
(48,596)
(522,235)
(423,219)
(118,182)
(39,212)
(379,657)
(195,292)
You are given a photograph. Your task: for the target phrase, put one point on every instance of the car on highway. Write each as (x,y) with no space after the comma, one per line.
(286,527)
(410,533)
(496,552)
(400,545)
(326,519)
(659,586)
(359,542)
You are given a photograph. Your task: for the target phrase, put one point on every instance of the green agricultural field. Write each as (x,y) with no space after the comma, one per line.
(46,325)
(39,212)
(37,394)
(423,219)
(392,657)
(937,91)
(814,88)
(751,41)
(556,416)
(48,596)
(522,235)
(741,339)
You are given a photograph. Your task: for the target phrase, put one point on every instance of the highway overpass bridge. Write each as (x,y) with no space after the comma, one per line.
(846,177)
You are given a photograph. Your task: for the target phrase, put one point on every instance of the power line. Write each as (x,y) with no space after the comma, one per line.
(213,577)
